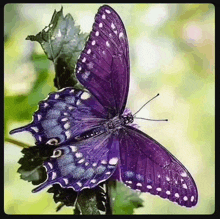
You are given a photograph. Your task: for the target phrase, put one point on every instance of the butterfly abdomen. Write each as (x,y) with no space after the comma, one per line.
(91,133)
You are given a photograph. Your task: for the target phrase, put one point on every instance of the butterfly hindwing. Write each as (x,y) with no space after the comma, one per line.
(147,166)
(84,164)
(103,67)
(63,116)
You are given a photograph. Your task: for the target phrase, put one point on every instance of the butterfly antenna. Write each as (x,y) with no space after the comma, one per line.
(146,104)
(151,119)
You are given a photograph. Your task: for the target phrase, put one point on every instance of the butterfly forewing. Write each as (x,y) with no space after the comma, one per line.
(65,115)
(84,164)
(103,67)
(147,166)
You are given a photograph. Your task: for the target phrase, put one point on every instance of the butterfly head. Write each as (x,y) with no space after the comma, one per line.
(127,118)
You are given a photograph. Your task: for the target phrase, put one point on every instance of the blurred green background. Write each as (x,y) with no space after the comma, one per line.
(171,53)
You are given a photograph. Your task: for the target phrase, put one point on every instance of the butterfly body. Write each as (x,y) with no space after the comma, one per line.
(94,133)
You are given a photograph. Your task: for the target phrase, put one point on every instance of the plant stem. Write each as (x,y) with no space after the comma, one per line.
(18,143)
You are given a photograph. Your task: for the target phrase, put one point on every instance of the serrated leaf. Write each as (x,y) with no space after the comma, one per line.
(62,42)
(31,168)
(30,176)
(65,196)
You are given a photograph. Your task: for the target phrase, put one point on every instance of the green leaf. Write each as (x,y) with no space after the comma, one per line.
(34,175)
(62,42)
(123,199)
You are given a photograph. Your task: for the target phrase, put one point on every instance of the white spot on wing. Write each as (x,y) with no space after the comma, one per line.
(54,175)
(138,184)
(149,186)
(90,65)
(64,119)
(85,96)
(81,161)
(46,105)
(177,195)
(159,189)
(35,129)
(107,44)
(78,102)
(121,35)
(67,125)
(112,26)
(72,90)
(68,134)
(183,174)
(168,192)
(97,33)
(103,162)
(88,52)
(103,16)
(108,173)
(107,11)
(93,42)
(66,180)
(39,117)
(167,178)
(78,155)
(56,96)
(79,184)
(93,181)
(84,59)
(192,198)
(50,165)
(86,75)
(184,186)
(113,161)
(185,198)
(73,148)
(100,25)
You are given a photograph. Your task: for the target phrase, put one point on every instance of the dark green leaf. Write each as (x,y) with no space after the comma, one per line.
(87,202)
(65,196)
(62,42)
(31,168)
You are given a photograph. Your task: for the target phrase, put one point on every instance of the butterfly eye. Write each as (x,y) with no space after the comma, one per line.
(57,153)
(130,118)
(52,141)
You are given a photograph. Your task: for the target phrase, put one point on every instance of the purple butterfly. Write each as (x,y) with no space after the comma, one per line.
(94,132)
